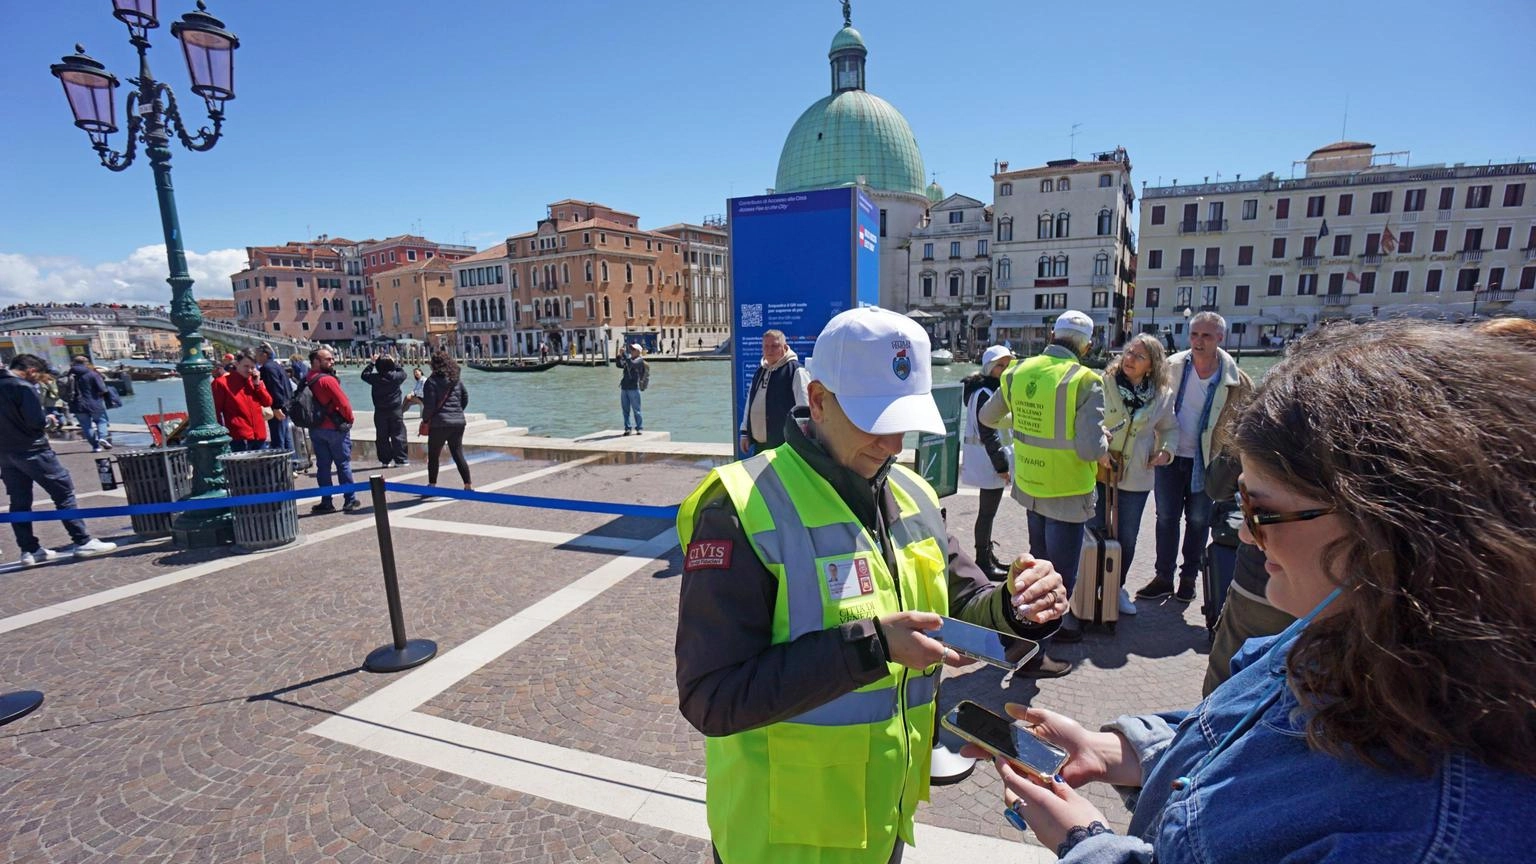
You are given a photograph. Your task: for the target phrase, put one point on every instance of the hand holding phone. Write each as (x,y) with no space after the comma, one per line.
(1013,741)
(988,646)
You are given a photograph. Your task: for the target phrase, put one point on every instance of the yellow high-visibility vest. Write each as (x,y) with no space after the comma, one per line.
(839,783)
(1042,394)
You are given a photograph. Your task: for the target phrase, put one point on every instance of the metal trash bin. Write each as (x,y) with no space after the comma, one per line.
(262,526)
(157,476)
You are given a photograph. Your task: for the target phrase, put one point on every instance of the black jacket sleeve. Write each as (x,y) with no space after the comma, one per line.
(991,441)
(730,677)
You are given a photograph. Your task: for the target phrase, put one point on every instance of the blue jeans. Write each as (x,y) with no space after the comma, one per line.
(94,427)
(629,400)
(280,435)
(1058,542)
(332,446)
(20,470)
(1127,522)
(1171,488)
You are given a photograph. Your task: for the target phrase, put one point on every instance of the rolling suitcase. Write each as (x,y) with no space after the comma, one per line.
(1219,563)
(1096,596)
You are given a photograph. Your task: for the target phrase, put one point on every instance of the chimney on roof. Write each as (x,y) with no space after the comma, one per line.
(1003,166)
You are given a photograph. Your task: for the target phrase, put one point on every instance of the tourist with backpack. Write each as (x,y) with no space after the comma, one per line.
(91,400)
(322,406)
(636,377)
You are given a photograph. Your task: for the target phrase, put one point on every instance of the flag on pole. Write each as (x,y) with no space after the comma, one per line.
(1323,231)
(1388,239)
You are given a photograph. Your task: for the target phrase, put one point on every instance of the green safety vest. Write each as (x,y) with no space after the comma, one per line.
(840,782)
(1042,394)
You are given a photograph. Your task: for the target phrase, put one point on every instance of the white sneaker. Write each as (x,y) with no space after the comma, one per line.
(32,559)
(107,443)
(1127,605)
(93,547)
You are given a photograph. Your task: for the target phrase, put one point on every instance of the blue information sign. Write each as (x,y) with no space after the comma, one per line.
(796,260)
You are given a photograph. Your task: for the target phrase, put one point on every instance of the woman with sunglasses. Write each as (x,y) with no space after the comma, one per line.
(1389,474)
(1138,411)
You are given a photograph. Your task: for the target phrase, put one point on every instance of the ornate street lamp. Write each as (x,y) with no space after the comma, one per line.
(153,117)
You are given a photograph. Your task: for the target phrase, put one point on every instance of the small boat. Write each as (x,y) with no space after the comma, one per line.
(514,365)
(941,357)
(151,373)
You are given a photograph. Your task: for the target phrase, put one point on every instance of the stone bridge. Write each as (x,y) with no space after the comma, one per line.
(37,316)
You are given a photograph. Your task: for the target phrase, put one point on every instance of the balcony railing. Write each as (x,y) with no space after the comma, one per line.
(1189,226)
(1210,307)
(442,321)
(1442,215)
(1310,261)
(1101,279)
(1213,270)
(1529,252)
(1410,216)
(1214,225)
(1338,299)
(1469,255)
(1495,295)
(1184,271)
(1371,259)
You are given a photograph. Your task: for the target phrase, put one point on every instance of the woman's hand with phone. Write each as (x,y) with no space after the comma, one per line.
(1051,808)
(1091,756)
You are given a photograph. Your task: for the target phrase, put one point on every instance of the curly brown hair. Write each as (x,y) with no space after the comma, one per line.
(1421,435)
(1157,359)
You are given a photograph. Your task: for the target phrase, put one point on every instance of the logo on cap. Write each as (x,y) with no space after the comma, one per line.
(902,364)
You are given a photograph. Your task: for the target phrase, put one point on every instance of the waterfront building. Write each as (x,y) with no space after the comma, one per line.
(295,289)
(415,302)
(378,256)
(1357,236)
(853,137)
(485,302)
(110,343)
(706,282)
(951,272)
(218,310)
(1062,240)
(588,278)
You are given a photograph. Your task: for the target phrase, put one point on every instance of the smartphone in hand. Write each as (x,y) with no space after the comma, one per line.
(984,644)
(1007,738)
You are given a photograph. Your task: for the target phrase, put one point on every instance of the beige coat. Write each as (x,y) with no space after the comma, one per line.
(1150,431)
(1235,389)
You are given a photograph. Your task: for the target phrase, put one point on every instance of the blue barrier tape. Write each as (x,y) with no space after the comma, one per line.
(644,511)
(179,506)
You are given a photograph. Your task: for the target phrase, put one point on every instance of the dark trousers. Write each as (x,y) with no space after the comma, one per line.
(986,514)
(453,436)
(1058,542)
(1128,510)
(241,445)
(1174,500)
(333,447)
(389,434)
(280,434)
(20,471)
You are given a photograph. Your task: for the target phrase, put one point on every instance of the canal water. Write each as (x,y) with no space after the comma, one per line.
(690,399)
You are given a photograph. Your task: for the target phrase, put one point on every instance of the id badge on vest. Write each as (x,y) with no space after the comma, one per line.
(847,578)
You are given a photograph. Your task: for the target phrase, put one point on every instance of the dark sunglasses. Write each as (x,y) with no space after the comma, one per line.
(1256,521)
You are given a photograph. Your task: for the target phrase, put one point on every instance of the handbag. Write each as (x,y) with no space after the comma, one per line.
(425,426)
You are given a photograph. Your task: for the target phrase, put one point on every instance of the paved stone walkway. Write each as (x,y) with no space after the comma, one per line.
(208,708)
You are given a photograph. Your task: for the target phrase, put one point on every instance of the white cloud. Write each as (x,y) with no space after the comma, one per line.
(139,278)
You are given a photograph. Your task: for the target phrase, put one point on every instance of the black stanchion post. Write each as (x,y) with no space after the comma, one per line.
(14,706)
(402,653)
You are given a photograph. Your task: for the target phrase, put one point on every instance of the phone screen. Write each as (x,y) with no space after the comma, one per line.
(1006,738)
(981,643)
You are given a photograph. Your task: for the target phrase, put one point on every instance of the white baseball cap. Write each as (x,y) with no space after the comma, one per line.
(1073,321)
(994,354)
(877,363)
(635,346)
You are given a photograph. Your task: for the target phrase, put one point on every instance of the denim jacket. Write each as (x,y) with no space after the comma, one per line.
(1269,798)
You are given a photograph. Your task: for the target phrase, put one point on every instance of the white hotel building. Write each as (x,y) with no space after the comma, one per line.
(1429,241)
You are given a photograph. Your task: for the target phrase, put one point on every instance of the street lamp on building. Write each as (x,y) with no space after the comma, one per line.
(153,116)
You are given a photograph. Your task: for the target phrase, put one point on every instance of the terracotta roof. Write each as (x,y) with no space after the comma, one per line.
(423,264)
(491,254)
(1343,145)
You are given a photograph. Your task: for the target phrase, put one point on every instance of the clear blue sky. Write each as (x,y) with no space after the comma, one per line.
(461,120)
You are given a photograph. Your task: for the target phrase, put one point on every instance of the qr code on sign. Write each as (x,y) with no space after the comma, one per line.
(751,314)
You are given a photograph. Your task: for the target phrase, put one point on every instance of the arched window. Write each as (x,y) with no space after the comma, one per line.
(1004,229)
(1101,264)
(517,311)
(435,308)
(1004,269)
(501,307)
(1005,190)
(1063,184)
(629,307)
(1045,227)
(1059,266)
(1043,267)
(533,276)
(650,275)
(567,306)
(565,273)
(629,274)
(651,307)
(1106,222)
(591,310)
(604,265)
(1047,186)
(485,310)
(589,271)
(448,308)
(1063,223)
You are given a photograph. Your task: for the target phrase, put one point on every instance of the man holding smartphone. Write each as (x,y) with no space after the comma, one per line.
(816,685)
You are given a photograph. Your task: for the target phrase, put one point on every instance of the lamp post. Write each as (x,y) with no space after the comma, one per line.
(1186,310)
(153,116)
(1476,287)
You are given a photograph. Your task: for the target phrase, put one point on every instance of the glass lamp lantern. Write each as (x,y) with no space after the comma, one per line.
(210,53)
(89,87)
(140,16)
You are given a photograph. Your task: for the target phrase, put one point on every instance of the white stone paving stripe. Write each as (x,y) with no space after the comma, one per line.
(532,535)
(121,592)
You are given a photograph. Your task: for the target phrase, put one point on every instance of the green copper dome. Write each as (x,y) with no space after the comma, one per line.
(935,192)
(846,38)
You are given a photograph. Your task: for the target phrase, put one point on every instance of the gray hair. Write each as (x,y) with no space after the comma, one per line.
(1072,340)
(1209,318)
(778,333)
